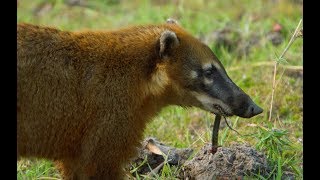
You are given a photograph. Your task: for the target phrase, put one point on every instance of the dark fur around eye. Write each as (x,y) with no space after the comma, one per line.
(209,72)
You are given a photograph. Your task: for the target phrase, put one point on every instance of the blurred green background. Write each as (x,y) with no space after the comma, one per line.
(248,36)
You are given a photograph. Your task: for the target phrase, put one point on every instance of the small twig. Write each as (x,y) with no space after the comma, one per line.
(155,170)
(293,37)
(215,134)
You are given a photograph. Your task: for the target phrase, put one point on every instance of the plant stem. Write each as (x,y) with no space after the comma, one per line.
(293,37)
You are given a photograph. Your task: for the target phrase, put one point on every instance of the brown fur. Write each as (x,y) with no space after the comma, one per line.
(84,98)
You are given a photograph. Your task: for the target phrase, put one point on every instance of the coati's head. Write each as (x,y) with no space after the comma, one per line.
(197,77)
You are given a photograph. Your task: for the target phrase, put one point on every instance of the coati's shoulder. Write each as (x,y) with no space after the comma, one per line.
(31,31)
(32,38)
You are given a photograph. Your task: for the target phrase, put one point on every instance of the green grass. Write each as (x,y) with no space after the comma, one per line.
(35,169)
(280,139)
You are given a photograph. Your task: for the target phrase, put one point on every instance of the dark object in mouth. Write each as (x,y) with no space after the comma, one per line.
(215,133)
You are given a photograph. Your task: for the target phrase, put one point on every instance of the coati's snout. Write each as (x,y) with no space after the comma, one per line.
(217,93)
(244,107)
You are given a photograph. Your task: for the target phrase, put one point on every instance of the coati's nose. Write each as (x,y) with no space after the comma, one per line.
(254,110)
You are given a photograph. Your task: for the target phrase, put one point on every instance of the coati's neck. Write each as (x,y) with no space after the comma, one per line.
(144,82)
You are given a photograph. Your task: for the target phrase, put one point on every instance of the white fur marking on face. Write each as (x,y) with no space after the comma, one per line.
(208,102)
(194,74)
(205,100)
(208,81)
(209,65)
(206,66)
(217,65)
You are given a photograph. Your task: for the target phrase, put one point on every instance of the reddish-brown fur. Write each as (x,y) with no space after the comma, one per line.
(84,98)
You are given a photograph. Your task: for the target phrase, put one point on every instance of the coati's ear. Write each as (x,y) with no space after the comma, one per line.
(168,41)
(172,21)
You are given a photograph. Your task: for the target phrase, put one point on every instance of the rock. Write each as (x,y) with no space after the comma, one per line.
(152,150)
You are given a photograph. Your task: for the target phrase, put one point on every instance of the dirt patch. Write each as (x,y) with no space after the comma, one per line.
(236,162)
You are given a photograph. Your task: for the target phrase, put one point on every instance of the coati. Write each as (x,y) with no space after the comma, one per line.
(85,97)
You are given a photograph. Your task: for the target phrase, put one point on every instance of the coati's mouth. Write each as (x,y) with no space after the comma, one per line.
(217,109)
(213,105)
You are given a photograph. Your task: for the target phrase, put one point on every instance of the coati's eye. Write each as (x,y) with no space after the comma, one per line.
(209,72)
